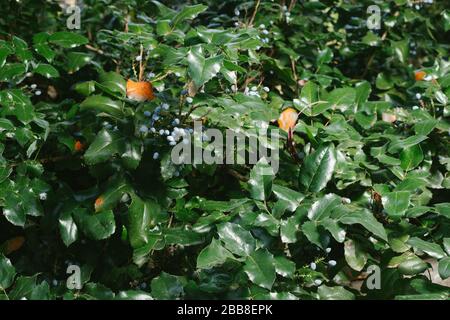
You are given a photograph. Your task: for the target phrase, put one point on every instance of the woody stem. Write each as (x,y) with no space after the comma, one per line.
(141,64)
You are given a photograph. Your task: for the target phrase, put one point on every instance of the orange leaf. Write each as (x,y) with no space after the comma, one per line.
(420,75)
(98,203)
(78,146)
(140,90)
(14,244)
(288,119)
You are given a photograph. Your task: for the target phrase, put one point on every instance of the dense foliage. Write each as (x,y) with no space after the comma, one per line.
(86,176)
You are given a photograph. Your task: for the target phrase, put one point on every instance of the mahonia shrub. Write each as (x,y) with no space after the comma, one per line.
(89,117)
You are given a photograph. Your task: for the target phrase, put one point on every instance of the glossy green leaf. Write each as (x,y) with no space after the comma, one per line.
(166,287)
(141,216)
(213,255)
(443,209)
(321,209)
(411,157)
(67,228)
(188,12)
(317,169)
(41,46)
(355,255)
(133,154)
(334,293)
(425,127)
(114,82)
(334,228)
(106,144)
(396,203)
(289,229)
(96,226)
(133,295)
(23,287)
(202,69)
(236,239)
(312,233)
(260,269)
(412,266)
(85,88)
(76,61)
(339,99)
(432,249)
(46,70)
(402,144)
(7,272)
(284,267)
(444,267)
(11,71)
(103,104)
(290,197)
(67,39)
(260,182)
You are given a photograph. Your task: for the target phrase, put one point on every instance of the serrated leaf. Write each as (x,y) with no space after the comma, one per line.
(202,69)
(188,12)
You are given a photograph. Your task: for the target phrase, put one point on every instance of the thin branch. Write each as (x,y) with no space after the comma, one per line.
(89,47)
(141,64)
(291,5)
(252,19)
